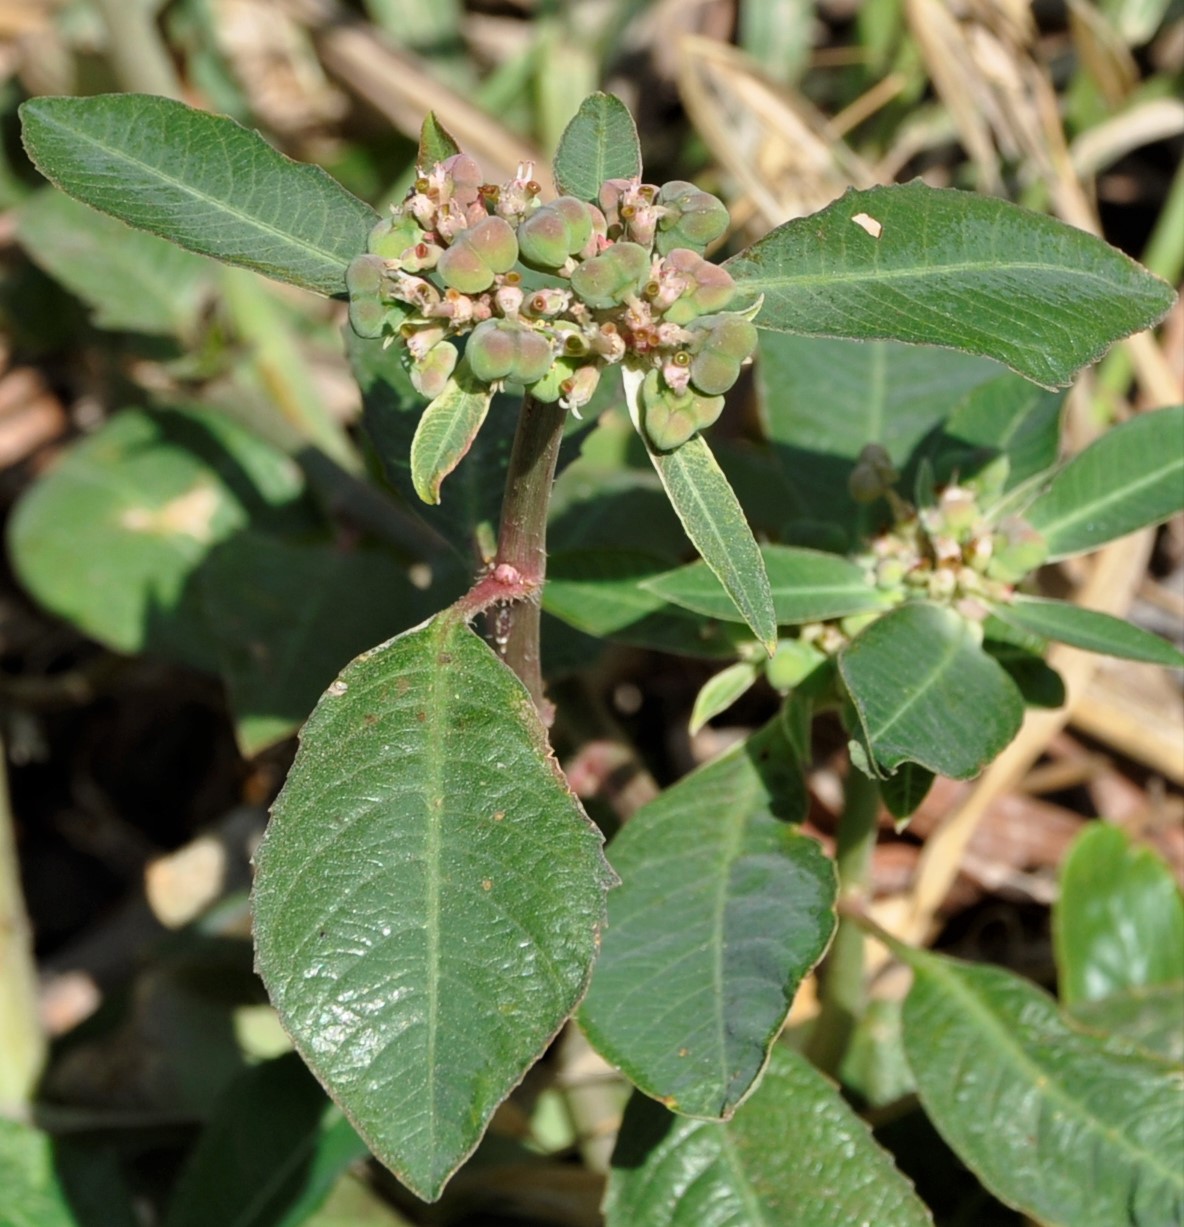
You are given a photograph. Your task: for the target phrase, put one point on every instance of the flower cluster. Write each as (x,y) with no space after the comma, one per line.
(547,295)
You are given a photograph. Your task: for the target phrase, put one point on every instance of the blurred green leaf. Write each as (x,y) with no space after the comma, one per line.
(1149,1017)
(806,585)
(202,181)
(720,691)
(1131,477)
(600,143)
(458,892)
(269,1156)
(951,268)
(1086,628)
(794,1156)
(132,281)
(905,789)
(726,905)
(925,692)
(112,538)
(1119,921)
(1069,1128)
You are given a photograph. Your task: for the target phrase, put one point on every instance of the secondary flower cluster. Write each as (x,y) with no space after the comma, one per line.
(549,294)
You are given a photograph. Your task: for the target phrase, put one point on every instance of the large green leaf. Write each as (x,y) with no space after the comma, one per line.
(950,268)
(822,400)
(600,143)
(113,537)
(1070,1128)
(428,897)
(723,909)
(1130,477)
(446,431)
(925,692)
(131,280)
(1086,628)
(1148,1017)
(50,1183)
(269,1156)
(795,1156)
(1119,921)
(202,181)
(806,585)
(286,616)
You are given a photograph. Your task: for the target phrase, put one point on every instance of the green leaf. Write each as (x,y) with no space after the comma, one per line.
(132,281)
(905,789)
(719,692)
(822,400)
(1119,921)
(113,538)
(1067,1127)
(727,906)
(428,897)
(950,268)
(1131,477)
(713,519)
(1148,1017)
(1086,628)
(925,692)
(287,616)
(436,143)
(269,1156)
(795,1156)
(806,586)
(600,143)
(1038,682)
(446,432)
(202,181)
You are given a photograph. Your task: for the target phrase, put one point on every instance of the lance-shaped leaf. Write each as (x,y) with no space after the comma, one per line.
(428,897)
(718,693)
(1070,1128)
(806,586)
(600,143)
(794,1156)
(1130,477)
(1147,1017)
(925,692)
(446,431)
(436,143)
(203,181)
(1088,629)
(723,909)
(713,519)
(940,267)
(1119,921)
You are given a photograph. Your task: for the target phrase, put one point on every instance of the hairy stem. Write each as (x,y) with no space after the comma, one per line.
(522,538)
(843,994)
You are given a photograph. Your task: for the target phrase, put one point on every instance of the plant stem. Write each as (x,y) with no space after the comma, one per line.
(137,51)
(22,1042)
(843,994)
(522,538)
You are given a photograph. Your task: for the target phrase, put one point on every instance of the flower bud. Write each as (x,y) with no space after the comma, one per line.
(691,218)
(873,475)
(613,276)
(550,235)
(722,343)
(477,255)
(670,418)
(504,349)
(431,373)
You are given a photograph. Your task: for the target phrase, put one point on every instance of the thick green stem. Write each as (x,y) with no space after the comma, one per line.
(522,538)
(843,992)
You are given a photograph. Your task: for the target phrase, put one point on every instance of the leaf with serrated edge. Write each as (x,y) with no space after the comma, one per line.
(727,906)
(446,432)
(202,181)
(1072,1129)
(1088,629)
(926,693)
(428,898)
(1131,477)
(794,1156)
(712,517)
(953,269)
(600,143)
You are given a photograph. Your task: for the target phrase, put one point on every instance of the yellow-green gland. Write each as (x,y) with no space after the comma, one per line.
(504,349)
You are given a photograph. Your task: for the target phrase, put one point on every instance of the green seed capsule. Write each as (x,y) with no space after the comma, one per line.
(670,419)
(392,236)
(504,349)
(608,279)
(555,232)
(477,255)
(721,345)
(695,219)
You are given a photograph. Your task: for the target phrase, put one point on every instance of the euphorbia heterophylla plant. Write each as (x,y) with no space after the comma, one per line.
(431,902)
